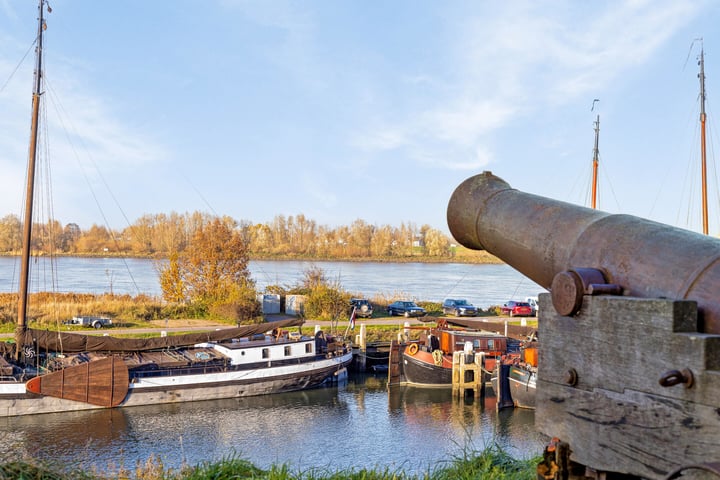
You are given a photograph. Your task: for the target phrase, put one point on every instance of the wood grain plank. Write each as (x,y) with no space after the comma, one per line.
(618,417)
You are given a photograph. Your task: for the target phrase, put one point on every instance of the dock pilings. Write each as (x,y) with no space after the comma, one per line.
(467,374)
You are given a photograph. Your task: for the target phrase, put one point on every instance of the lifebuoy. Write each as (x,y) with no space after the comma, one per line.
(412,349)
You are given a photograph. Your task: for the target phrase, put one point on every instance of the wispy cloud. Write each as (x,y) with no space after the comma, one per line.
(523,58)
(318,188)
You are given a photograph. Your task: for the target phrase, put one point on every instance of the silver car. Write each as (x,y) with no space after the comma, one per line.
(459,307)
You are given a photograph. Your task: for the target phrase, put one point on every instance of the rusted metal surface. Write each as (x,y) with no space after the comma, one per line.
(677,377)
(569,287)
(543,238)
(555,463)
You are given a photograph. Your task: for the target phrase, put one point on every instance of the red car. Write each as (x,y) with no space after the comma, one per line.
(516,309)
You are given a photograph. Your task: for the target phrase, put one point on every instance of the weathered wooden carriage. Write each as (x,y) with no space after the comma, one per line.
(629,362)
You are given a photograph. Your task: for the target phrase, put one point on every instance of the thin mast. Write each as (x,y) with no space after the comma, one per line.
(703,161)
(30,190)
(596,155)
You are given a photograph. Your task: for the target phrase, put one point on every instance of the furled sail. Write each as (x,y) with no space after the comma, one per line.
(46,340)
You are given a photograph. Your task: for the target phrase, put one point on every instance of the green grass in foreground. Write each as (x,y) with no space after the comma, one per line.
(491,464)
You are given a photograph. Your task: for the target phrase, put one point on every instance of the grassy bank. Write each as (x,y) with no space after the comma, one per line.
(490,464)
(50,310)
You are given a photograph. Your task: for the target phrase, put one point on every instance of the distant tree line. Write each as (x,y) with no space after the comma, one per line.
(161,235)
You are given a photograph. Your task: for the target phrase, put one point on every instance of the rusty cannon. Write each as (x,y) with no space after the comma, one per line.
(629,354)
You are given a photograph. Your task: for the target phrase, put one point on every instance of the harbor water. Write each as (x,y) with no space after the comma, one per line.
(360,425)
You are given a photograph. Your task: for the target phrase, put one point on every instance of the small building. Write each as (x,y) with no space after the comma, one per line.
(295,304)
(270,303)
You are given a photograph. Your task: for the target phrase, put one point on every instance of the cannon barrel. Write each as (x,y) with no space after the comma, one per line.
(573,250)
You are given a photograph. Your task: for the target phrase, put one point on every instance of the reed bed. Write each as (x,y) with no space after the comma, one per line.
(50,310)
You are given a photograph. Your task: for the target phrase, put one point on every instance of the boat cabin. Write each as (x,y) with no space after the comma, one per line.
(449,341)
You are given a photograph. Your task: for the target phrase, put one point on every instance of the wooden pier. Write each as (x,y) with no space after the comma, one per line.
(369,356)
(467,375)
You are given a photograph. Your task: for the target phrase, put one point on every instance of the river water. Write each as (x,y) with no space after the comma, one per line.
(482,285)
(358,425)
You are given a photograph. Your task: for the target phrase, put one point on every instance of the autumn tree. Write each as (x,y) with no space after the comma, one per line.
(48,237)
(71,234)
(10,233)
(301,233)
(436,244)
(142,234)
(160,235)
(382,242)
(324,241)
(212,271)
(404,240)
(171,281)
(260,238)
(280,240)
(361,234)
(325,299)
(97,239)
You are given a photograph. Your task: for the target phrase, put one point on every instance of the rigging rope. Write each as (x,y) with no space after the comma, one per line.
(713,164)
(17,67)
(60,111)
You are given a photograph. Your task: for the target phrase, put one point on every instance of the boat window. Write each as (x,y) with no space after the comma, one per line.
(308,348)
(266,353)
(491,344)
(476,343)
(287,350)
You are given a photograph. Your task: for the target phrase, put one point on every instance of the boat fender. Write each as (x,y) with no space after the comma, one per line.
(438,357)
(412,349)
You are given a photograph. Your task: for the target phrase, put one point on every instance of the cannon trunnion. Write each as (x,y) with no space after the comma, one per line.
(629,351)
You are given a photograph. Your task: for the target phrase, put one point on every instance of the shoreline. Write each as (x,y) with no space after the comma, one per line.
(480,259)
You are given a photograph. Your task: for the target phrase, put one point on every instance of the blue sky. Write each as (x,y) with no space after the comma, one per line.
(342,110)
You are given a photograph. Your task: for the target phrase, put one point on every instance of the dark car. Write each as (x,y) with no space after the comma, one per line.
(517,309)
(459,307)
(363,307)
(408,309)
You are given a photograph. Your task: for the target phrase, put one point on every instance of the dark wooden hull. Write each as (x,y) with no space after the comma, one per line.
(420,370)
(522,386)
(514,386)
(501,386)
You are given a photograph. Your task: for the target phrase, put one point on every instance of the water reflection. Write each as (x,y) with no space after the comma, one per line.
(359,425)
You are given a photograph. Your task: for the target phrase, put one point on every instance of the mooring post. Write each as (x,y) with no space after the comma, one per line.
(362,342)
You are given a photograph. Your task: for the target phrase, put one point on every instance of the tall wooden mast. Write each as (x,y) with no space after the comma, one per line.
(30,189)
(595,162)
(703,161)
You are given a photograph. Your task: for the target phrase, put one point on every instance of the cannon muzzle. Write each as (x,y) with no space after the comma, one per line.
(574,251)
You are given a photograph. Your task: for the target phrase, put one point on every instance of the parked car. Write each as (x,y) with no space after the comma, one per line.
(516,309)
(363,307)
(408,309)
(533,301)
(459,307)
(89,321)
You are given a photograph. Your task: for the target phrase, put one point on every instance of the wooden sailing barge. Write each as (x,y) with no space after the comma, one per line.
(431,361)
